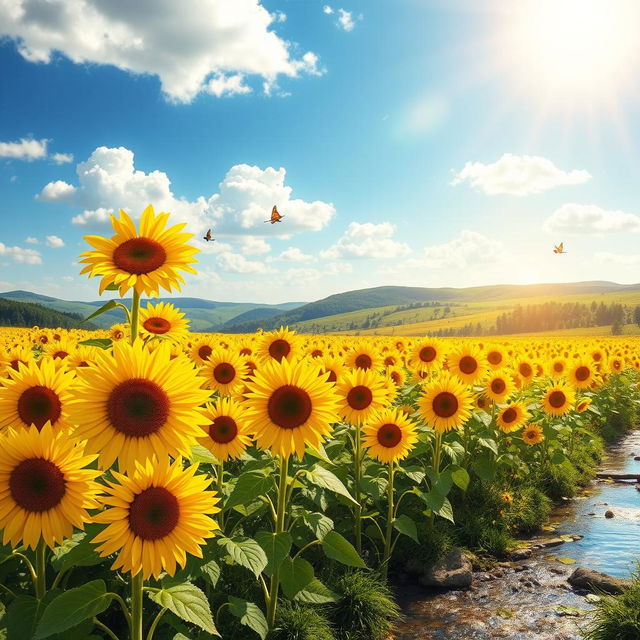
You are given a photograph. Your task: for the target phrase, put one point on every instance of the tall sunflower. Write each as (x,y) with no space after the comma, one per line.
(389,435)
(227,435)
(163,319)
(582,373)
(224,372)
(363,356)
(36,394)
(279,345)
(427,355)
(558,399)
(134,404)
(144,261)
(45,490)
(289,405)
(445,403)
(468,363)
(512,417)
(532,434)
(362,392)
(155,517)
(499,385)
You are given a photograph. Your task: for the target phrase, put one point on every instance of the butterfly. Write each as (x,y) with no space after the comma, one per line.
(275,216)
(559,248)
(208,237)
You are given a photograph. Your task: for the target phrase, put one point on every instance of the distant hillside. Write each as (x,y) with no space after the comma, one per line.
(26,314)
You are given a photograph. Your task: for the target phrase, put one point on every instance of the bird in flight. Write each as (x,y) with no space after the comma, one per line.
(275,216)
(559,248)
(207,237)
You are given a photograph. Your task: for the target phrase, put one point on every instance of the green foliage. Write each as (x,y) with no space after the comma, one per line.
(301,622)
(26,314)
(529,511)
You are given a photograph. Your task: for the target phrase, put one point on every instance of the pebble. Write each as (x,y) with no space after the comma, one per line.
(609,514)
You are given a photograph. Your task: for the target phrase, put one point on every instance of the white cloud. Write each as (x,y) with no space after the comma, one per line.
(62,158)
(183,43)
(229,85)
(55,242)
(518,175)
(293,254)
(19,254)
(237,263)
(108,180)
(575,218)
(279,16)
(367,240)
(252,246)
(25,149)
(31,240)
(338,268)
(345,20)
(467,250)
(327,9)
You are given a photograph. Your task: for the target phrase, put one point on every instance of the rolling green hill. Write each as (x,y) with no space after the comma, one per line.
(14,313)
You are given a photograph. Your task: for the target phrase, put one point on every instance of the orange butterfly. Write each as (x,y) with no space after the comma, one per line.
(275,216)
(559,248)
(208,237)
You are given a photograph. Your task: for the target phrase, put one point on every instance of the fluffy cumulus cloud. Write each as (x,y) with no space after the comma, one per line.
(367,240)
(19,254)
(237,263)
(468,249)
(24,149)
(62,158)
(345,20)
(518,175)
(108,180)
(575,218)
(223,40)
(55,242)
(293,254)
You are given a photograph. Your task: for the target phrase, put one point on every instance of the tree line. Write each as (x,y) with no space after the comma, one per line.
(28,314)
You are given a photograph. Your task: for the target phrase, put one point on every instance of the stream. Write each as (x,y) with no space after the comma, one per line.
(530,599)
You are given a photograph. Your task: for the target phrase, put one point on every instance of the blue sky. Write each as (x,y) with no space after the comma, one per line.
(422,143)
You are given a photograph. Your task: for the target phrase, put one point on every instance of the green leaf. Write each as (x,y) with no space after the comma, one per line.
(324,479)
(488,443)
(75,552)
(202,454)
(414,473)
(246,552)
(318,523)
(316,593)
(338,548)
(249,615)
(558,457)
(211,572)
(460,478)
(72,607)
(276,547)
(405,525)
(295,576)
(187,602)
(22,616)
(102,343)
(484,468)
(112,287)
(250,485)
(107,306)
(318,453)
(446,511)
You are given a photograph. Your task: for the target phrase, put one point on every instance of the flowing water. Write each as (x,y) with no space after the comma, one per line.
(531,599)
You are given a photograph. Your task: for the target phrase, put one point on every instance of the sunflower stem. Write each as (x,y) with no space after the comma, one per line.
(136,606)
(219,486)
(135,310)
(41,570)
(357,477)
(280,518)
(389,532)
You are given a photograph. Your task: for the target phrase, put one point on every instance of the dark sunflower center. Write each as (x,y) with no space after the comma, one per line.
(494,357)
(525,369)
(596,356)
(60,355)
(558,367)
(468,364)
(360,397)
(279,349)
(138,407)
(445,404)
(205,351)
(15,364)
(363,361)
(37,485)
(389,361)
(289,406)
(498,386)
(332,376)
(316,353)
(154,513)
(509,415)
(156,325)
(223,429)
(557,399)
(224,373)
(427,354)
(389,435)
(38,404)
(245,351)
(582,373)
(395,376)
(139,256)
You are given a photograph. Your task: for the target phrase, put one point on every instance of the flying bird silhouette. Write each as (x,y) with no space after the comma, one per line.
(275,216)
(208,237)
(559,248)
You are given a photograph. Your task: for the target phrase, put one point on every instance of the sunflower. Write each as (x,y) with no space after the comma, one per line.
(36,394)
(362,392)
(526,369)
(227,435)
(334,366)
(60,350)
(532,434)
(557,367)
(616,364)
(427,355)
(143,261)
(506,497)
(45,490)
(468,363)
(397,375)
(202,349)
(389,435)
(134,404)
(224,372)
(445,403)
(558,399)
(363,357)
(278,345)
(583,405)
(512,417)
(155,517)
(118,332)
(582,373)
(12,358)
(499,386)
(81,356)
(163,319)
(496,356)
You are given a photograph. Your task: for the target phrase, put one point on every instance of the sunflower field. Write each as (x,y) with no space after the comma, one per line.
(162,484)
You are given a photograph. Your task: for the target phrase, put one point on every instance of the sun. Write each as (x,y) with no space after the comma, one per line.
(573,49)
